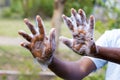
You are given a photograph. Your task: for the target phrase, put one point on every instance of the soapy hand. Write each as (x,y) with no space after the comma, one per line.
(41,46)
(82,31)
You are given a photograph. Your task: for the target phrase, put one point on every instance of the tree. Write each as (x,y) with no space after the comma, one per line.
(56,19)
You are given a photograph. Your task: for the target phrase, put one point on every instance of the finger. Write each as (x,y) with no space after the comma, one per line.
(68,22)
(30,26)
(40,26)
(52,38)
(91,25)
(25,35)
(83,16)
(66,41)
(76,17)
(26,45)
(35,40)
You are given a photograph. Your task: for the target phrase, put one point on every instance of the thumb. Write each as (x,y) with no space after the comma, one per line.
(66,41)
(52,38)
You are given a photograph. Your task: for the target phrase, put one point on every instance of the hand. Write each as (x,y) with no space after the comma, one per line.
(82,32)
(41,46)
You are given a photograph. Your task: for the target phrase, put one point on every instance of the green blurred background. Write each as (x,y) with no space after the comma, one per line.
(12,12)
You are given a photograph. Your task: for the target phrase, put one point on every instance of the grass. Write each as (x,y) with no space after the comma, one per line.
(10,28)
(16,58)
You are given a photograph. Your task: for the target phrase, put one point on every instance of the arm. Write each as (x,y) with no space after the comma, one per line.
(72,70)
(83,39)
(110,54)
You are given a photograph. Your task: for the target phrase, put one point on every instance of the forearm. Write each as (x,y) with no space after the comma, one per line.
(110,54)
(71,70)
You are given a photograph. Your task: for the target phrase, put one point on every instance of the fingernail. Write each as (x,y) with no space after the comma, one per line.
(63,16)
(38,17)
(22,44)
(72,9)
(92,16)
(21,31)
(26,20)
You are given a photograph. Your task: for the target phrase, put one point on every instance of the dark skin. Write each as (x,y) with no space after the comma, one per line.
(75,70)
(43,48)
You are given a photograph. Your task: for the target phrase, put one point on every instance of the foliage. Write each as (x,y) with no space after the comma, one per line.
(6,12)
(14,11)
(86,5)
(27,8)
(16,6)
(112,14)
(34,7)
(103,26)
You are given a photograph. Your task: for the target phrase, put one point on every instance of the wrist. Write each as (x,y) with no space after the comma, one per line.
(97,49)
(44,63)
(96,52)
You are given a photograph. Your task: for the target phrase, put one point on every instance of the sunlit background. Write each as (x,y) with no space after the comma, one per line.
(16,63)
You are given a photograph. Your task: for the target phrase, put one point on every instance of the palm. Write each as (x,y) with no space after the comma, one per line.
(41,46)
(82,32)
